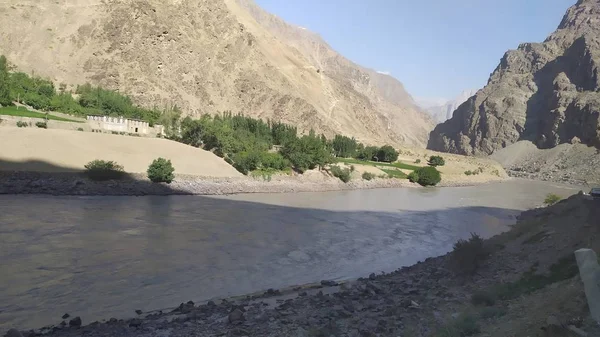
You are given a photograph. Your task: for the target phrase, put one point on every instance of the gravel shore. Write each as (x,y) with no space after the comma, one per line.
(136,184)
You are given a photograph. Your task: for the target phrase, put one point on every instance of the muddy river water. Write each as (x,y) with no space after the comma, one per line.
(102,257)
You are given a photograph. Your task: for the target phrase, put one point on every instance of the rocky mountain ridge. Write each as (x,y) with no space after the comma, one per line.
(442,112)
(547,93)
(206,56)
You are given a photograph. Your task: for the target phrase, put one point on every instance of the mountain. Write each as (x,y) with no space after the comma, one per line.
(547,93)
(208,56)
(441,112)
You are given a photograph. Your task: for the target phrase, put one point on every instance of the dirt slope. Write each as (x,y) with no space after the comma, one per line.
(206,56)
(60,150)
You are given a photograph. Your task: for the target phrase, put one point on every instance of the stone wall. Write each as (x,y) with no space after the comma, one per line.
(11,121)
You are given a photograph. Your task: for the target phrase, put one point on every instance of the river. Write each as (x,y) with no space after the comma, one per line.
(102,257)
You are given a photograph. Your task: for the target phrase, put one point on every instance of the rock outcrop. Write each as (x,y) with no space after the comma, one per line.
(547,93)
(206,56)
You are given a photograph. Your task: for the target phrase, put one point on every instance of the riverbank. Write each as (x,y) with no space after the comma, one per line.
(526,285)
(67,183)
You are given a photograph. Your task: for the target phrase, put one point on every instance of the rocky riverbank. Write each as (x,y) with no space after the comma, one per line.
(526,284)
(138,184)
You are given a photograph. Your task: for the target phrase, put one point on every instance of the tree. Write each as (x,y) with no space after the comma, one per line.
(436,161)
(161,170)
(4,82)
(366,153)
(387,154)
(427,176)
(344,147)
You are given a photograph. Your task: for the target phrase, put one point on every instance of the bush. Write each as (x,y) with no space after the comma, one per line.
(418,161)
(342,174)
(161,171)
(368,176)
(22,124)
(468,255)
(464,325)
(79,129)
(436,161)
(387,154)
(42,125)
(274,161)
(101,170)
(552,199)
(413,177)
(245,162)
(428,176)
(485,298)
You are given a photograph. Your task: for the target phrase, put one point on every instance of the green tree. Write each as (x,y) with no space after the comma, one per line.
(387,154)
(366,153)
(436,161)
(4,82)
(344,147)
(427,176)
(161,171)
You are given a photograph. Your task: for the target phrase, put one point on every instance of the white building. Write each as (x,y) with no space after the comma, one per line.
(119,124)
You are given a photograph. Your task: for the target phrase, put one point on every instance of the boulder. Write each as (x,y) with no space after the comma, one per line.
(13,333)
(589,270)
(75,322)
(236,316)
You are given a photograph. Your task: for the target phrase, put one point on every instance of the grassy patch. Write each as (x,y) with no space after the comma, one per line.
(22,112)
(267,174)
(395,173)
(529,282)
(399,165)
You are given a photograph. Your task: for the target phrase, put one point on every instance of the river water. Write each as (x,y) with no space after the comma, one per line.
(102,257)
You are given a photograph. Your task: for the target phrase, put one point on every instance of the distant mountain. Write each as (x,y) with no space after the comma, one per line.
(441,112)
(547,93)
(209,56)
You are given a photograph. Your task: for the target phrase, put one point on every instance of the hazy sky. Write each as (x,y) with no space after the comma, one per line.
(436,48)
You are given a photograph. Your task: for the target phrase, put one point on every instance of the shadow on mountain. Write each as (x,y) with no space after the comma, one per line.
(32,176)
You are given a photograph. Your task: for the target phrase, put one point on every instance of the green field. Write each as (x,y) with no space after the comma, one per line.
(22,112)
(399,165)
(395,173)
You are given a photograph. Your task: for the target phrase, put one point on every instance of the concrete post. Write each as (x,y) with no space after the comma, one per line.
(589,270)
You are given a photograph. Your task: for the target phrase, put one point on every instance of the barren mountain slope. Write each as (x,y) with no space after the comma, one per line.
(205,55)
(442,112)
(386,94)
(547,93)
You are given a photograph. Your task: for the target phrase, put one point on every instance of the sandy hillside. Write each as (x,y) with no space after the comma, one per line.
(60,150)
(206,56)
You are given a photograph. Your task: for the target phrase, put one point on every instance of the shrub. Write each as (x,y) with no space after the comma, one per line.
(468,255)
(352,168)
(464,325)
(161,171)
(104,170)
(387,154)
(245,162)
(42,125)
(22,124)
(436,161)
(274,161)
(428,176)
(492,312)
(79,129)
(368,176)
(413,177)
(552,199)
(468,173)
(418,161)
(485,298)
(342,174)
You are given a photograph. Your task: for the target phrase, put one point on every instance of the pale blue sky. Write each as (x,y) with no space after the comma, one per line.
(436,48)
